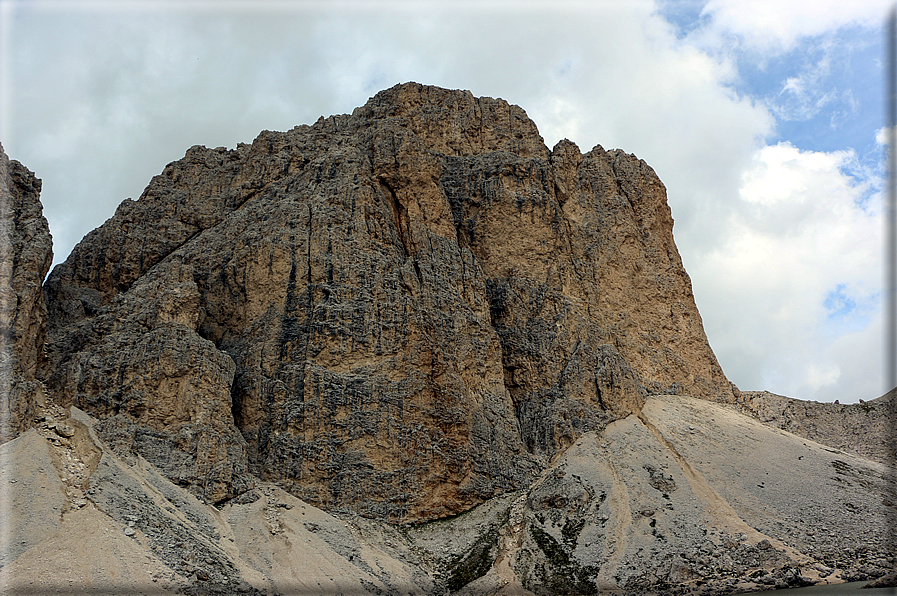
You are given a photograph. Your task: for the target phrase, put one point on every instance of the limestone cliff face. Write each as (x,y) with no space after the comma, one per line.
(400,312)
(25,256)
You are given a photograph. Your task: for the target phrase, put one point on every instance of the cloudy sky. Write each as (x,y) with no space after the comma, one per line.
(762,117)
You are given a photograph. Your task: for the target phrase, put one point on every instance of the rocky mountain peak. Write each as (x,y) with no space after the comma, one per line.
(400,312)
(245,380)
(454,123)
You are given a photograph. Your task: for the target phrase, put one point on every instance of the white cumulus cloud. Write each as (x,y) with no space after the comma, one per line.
(802,255)
(779,25)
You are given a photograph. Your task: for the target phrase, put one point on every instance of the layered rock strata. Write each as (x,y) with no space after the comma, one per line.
(25,255)
(400,312)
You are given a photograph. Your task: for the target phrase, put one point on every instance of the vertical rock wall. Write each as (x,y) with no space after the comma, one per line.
(400,312)
(25,257)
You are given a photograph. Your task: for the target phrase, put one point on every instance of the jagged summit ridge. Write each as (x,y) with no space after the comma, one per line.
(400,312)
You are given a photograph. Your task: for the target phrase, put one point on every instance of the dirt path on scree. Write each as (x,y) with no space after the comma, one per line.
(719,510)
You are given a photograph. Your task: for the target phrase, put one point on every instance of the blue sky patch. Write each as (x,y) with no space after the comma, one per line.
(826,93)
(685,15)
(848,312)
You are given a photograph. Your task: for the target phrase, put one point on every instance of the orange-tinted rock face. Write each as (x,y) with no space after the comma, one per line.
(404,311)
(25,257)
